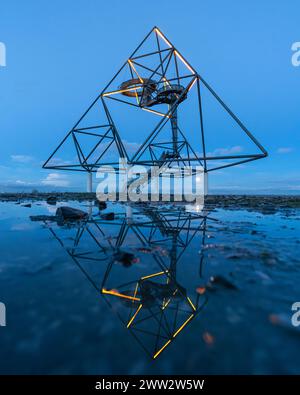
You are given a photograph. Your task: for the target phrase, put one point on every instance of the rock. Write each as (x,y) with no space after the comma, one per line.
(108,216)
(26,205)
(51,200)
(100,205)
(70,214)
(222,282)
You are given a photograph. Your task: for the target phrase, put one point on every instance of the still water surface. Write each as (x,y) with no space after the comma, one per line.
(156,290)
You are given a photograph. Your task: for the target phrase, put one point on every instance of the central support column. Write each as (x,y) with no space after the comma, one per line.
(89,185)
(174,132)
(129,216)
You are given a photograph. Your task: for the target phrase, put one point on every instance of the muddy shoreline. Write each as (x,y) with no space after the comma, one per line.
(267,204)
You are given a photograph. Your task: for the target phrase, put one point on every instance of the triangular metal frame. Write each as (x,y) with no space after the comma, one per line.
(137,92)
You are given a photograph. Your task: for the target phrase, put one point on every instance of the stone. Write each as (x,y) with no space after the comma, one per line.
(108,216)
(72,214)
(100,205)
(51,200)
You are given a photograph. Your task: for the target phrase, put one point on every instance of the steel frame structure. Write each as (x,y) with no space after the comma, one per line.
(169,315)
(143,91)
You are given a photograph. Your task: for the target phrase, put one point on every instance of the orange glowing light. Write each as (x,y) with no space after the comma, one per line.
(120,295)
(208,338)
(121,91)
(201,290)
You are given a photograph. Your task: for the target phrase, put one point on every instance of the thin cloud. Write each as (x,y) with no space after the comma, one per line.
(56,180)
(61,162)
(25,183)
(22,158)
(226,151)
(284,150)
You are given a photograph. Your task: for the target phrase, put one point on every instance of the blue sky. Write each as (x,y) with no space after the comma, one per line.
(60,54)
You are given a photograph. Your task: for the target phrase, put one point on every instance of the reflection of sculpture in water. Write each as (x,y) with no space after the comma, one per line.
(146,294)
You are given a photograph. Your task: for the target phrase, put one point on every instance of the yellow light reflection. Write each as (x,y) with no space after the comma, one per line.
(163,347)
(183,325)
(190,302)
(134,315)
(135,291)
(120,295)
(153,275)
(167,303)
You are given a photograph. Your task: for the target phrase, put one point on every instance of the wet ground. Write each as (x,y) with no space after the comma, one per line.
(162,289)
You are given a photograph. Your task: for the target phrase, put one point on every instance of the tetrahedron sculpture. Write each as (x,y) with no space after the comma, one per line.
(156,110)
